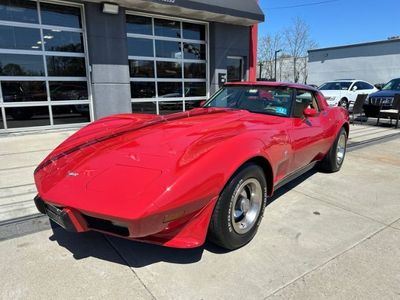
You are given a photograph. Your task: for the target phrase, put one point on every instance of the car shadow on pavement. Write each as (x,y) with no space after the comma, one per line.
(137,254)
(123,251)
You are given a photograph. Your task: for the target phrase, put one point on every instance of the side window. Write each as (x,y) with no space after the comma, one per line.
(304,99)
(359,85)
(366,86)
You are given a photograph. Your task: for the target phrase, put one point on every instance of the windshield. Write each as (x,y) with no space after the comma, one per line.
(392,85)
(257,99)
(335,86)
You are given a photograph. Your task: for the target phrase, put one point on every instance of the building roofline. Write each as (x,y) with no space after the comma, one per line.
(355,45)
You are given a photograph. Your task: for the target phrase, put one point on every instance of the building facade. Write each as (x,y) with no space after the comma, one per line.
(375,62)
(67,63)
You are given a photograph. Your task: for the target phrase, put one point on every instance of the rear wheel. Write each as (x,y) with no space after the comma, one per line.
(239,209)
(333,160)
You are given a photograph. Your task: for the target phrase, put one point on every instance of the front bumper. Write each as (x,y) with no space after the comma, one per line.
(187,232)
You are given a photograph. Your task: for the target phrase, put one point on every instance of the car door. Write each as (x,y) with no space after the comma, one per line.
(307,133)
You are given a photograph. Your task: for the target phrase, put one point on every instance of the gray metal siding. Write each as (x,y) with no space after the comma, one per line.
(373,62)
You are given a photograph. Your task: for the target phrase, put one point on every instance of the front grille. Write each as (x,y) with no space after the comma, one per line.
(105,225)
(387,101)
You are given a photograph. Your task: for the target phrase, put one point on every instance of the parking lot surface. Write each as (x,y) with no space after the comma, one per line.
(323,235)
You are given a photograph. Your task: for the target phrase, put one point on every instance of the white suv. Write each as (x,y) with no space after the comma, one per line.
(344,92)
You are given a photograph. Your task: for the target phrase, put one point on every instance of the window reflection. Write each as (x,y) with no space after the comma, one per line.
(21,65)
(194,51)
(170,107)
(195,70)
(167,28)
(138,25)
(194,31)
(192,104)
(143,90)
(60,15)
(167,69)
(27,116)
(140,47)
(69,114)
(168,49)
(69,90)
(141,68)
(22,91)
(169,89)
(57,40)
(20,38)
(18,11)
(144,107)
(66,66)
(195,89)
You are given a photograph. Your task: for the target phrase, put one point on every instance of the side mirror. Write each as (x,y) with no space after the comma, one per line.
(202,102)
(355,88)
(310,112)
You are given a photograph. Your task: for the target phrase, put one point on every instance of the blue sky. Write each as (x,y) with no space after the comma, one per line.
(336,22)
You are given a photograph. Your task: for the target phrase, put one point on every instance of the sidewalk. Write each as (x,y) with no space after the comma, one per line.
(332,236)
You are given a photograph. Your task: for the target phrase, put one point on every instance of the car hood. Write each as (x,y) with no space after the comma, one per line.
(385,93)
(138,152)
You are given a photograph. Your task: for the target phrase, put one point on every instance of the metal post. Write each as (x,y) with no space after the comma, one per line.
(276,54)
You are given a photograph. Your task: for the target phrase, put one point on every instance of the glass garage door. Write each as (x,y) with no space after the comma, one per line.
(43,70)
(168,63)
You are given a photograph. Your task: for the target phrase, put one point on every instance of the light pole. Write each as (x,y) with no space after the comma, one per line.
(276,54)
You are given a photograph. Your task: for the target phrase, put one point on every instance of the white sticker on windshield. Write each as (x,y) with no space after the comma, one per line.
(253,91)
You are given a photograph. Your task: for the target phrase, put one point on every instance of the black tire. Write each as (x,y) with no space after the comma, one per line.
(331,163)
(344,103)
(223,230)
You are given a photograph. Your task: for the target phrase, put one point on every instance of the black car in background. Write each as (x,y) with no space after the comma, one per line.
(382,99)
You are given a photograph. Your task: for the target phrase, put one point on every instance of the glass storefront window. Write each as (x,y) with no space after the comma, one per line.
(66,66)
(143,89)
(168,49)
(167,69)
(21,65)
(195,70)
(19,11)
(70,114)
(168,28)
(176,74)
(144,107)
(60,15)
(62,41)
(42,64)
(23,91)
(194,31)
(194,51)
(195,89)
(140,47)
(27,116)
(138,25)
(68,90)
(170,89)
(20,38)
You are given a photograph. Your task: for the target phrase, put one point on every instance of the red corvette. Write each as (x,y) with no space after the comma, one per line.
(206,173)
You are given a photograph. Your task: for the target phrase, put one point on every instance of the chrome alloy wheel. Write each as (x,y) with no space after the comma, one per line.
(341,148)
(246,205)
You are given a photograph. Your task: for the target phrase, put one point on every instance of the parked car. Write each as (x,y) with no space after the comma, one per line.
(173,180)
(344,92)
(382,99)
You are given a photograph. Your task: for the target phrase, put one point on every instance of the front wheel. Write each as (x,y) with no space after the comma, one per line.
(333,160)
(240,207)
(343,103)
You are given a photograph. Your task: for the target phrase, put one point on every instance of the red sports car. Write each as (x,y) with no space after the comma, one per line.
(206,173)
